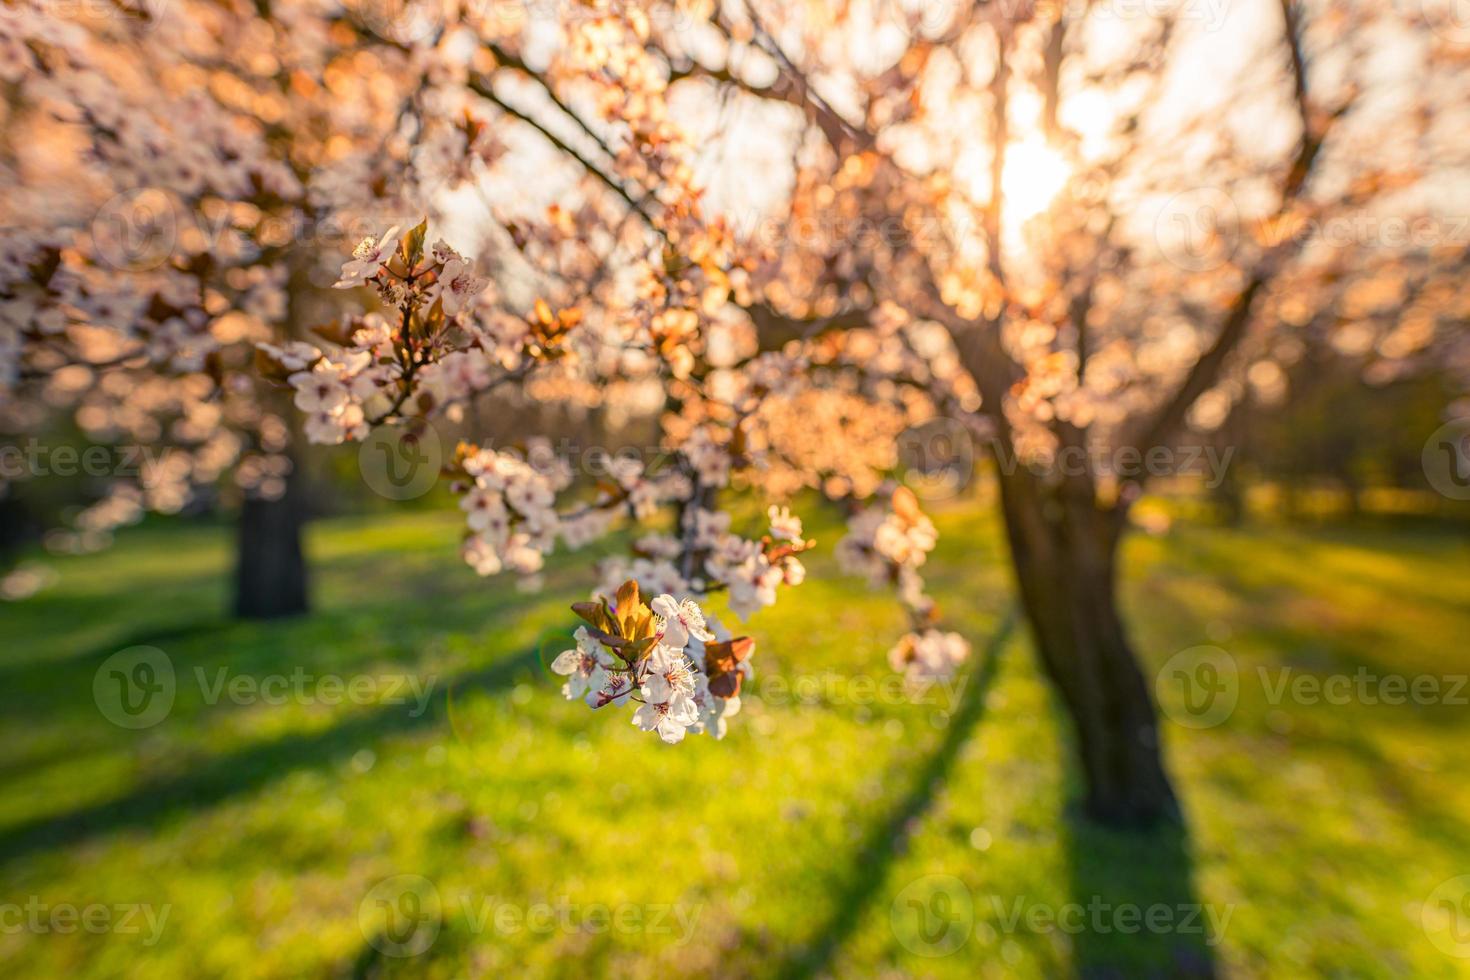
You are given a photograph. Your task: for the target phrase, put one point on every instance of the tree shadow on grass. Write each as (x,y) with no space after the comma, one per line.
(235,773)
(877,852)
(13,674)
(1135,913)
(58,687)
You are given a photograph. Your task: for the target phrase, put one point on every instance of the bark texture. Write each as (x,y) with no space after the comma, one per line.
(1064,549)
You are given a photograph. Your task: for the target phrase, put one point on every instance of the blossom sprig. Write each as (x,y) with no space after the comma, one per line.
(426,352)
(752,570)
(407,274)
(667,656)
(928,656)
(707,557)
(510,499)
(888,544)
(510,509)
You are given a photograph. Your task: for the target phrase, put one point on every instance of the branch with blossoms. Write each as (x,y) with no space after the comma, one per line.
(888,544)
(682,668)
(436,343)
(424,352)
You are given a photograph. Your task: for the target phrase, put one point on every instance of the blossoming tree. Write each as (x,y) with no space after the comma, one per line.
(186,171)
(807,230)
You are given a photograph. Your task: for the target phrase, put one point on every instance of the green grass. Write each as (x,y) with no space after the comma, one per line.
(797,846)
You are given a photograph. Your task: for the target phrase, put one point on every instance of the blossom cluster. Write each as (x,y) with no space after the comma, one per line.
(681,667)
(928,656)
(888,545)
(332,389)
(707,556)
(429,354)
(510,509)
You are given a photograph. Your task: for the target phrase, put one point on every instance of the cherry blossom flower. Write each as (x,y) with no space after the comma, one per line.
(458,284)
(671,719)
(443,253)
(481,555)
(680,621)
(928,656)
(579,531)
(584,667)
(709,526)
(658,546)
(294,356)
(369,254)
(669,674)
(714,712)
(709,459)
(654,576)
(334,428)
(320,389)
(521,556)
(486,513)
(616,689)
(528,493)
(784,527)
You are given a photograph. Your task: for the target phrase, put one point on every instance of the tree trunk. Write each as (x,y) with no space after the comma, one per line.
(270,570)
(1229,499)
(1063,550)
(16,527)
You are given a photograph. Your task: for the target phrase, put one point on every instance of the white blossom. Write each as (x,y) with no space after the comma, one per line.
(671,719)
(584,667)
(679,621)
(369,254)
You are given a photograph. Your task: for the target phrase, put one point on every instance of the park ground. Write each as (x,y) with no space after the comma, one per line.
(839,830)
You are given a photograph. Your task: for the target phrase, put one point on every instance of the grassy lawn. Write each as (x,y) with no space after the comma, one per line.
(837,830)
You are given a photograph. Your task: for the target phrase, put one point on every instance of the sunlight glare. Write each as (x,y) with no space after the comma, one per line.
(1032,176)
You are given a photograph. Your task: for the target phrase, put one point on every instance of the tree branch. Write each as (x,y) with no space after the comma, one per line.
(1206,371)
(481,87)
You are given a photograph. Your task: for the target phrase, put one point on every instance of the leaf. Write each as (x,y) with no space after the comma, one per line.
(596,614)
(642,648)
(639,623)
(434,321)
(611,640)
(270,368)
(627,602)
(411,245)
(906,505)
(337,331)
(721,663)
(726,685)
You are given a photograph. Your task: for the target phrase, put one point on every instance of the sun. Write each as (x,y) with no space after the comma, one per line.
(1032,175)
